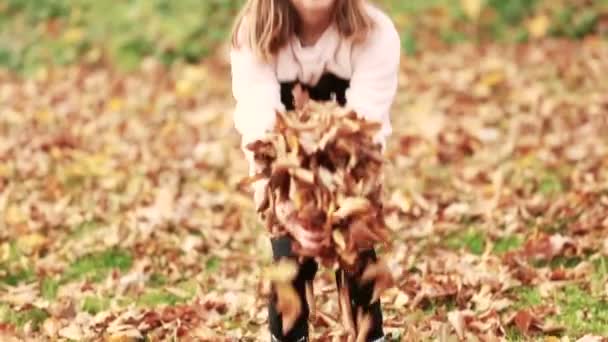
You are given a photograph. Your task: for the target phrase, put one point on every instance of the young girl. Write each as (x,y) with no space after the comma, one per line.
(342,50)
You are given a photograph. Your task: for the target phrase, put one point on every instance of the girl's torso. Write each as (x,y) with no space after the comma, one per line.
(323,69)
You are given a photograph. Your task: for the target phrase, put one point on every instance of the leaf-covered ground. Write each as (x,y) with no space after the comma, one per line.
(121,215)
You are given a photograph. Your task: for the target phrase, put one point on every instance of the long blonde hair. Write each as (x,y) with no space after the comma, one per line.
(267,25)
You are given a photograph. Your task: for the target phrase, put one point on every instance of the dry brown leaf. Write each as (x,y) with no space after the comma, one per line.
(288,304)
(380,274)
(523,321)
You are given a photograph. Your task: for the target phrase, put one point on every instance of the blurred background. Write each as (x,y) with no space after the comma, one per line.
(122,218)
(41,32)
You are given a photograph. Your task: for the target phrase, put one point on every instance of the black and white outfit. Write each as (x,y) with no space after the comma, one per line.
(361,76)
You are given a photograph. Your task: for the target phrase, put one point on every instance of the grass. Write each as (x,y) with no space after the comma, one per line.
(37,33)
(579,311)
(156,297)
(559,261)
(472,239)
(96,265)
(94,305)
(49,288)
(527,297)
(23,275)
(19,318)
(507,243)
(160,296)
(212,264)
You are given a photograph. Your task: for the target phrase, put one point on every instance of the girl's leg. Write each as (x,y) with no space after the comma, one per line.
(361,296)
(281,248)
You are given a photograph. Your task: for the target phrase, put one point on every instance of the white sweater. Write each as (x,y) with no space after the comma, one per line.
(371,67)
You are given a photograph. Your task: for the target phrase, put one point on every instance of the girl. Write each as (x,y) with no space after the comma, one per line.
(286,50)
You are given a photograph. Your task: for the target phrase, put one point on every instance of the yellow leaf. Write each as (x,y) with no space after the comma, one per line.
(195,73)
(73,35)
(213,185)
(493,78)
(5,170)
(283,271)
(120,338)
(539,26)
(472,8)
(115,104)
(552,339)
(56,153)
(44,116)
(184,88)
(13,215)
(5,252)
(31,242)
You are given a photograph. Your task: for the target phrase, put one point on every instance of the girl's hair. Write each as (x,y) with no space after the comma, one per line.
(269,24)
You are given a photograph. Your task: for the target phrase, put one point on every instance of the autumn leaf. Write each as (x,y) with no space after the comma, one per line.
(379,274)
(539,26)
(472,8)
(288,304)
(523,320)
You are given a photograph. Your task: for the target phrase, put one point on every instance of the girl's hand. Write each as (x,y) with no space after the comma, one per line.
(300,96)
(309,240)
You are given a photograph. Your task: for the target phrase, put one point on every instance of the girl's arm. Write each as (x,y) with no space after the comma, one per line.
(375,76)
(257,93)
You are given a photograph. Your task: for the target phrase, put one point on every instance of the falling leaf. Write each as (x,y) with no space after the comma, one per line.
(380,275)
(283,271)
(288,304)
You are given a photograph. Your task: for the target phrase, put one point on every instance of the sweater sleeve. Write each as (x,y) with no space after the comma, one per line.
(375,75)
(257,93)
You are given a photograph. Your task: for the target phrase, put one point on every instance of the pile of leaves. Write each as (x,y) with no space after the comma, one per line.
(324,161)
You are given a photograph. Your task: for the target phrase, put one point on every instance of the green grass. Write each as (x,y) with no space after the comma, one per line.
(96,265)
(49,288)
(559,261)
(157,297)
(36,33)
(156,280)
(582,313)
(83,229)
(473,240)
(514,335)
(94,305)
(212,264)
(578,311)
(506,244)
(22,275)
(550,184)
(19,318)
(527,296)
(160,296)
